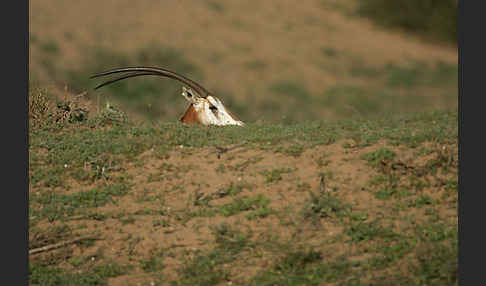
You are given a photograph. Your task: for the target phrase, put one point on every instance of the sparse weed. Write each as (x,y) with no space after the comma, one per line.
(294,150)
(303,267)
(206,269)
(322,205)
(376,157)
(437,265)
(203,270)
(275,175)
(241,204)
(363,231)
(47,275)
(55,206)
(229,239)
(153,264)
(110,115)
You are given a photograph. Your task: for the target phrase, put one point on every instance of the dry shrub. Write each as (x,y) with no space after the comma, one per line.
(39,106)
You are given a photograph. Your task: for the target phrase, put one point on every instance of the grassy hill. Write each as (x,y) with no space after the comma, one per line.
(346,173)
(343,202)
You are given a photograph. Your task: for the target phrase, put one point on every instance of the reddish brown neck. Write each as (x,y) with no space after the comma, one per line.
(190,116)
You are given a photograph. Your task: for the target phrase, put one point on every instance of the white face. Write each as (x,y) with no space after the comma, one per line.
(210,110)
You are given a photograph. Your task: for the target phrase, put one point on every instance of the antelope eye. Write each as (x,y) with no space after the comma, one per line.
(214,110)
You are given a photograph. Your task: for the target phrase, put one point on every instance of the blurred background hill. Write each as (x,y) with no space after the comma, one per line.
(274,60)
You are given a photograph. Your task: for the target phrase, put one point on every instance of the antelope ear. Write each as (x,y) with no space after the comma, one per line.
(188,94)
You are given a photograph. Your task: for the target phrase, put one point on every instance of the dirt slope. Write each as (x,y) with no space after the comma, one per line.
(318,202)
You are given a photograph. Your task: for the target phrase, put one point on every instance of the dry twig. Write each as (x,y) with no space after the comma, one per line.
(222,150)
(60,244)
(323,184)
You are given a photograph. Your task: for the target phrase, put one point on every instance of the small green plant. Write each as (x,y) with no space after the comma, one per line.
(48,275)
(421,201)
(152,264)
(294,150)
(275,175)
(108,116)
(322,205)
(128,220)
(229,239)
(322,161)
(241,204)
(303,267)
(303,187)
(437,265)
(385,194)
(374,158)
(363,231)
(262,212)
(203,270)
(233,189)
(54,206)
(206,268)
(295,262)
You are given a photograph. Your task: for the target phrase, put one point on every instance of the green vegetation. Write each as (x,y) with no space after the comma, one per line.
(54,206)
(207,268)
(160,185)
(275,175)
(376,157)
(436,19)
(240,204)
(98,275)
(323,206)
(152,264)
(400,90)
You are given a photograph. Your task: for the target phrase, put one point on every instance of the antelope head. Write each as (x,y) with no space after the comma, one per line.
(204,108)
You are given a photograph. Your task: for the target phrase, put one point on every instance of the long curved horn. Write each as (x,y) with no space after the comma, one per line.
(123,77)
(141,71)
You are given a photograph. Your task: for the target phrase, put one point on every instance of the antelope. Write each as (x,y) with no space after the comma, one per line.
(204,108)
